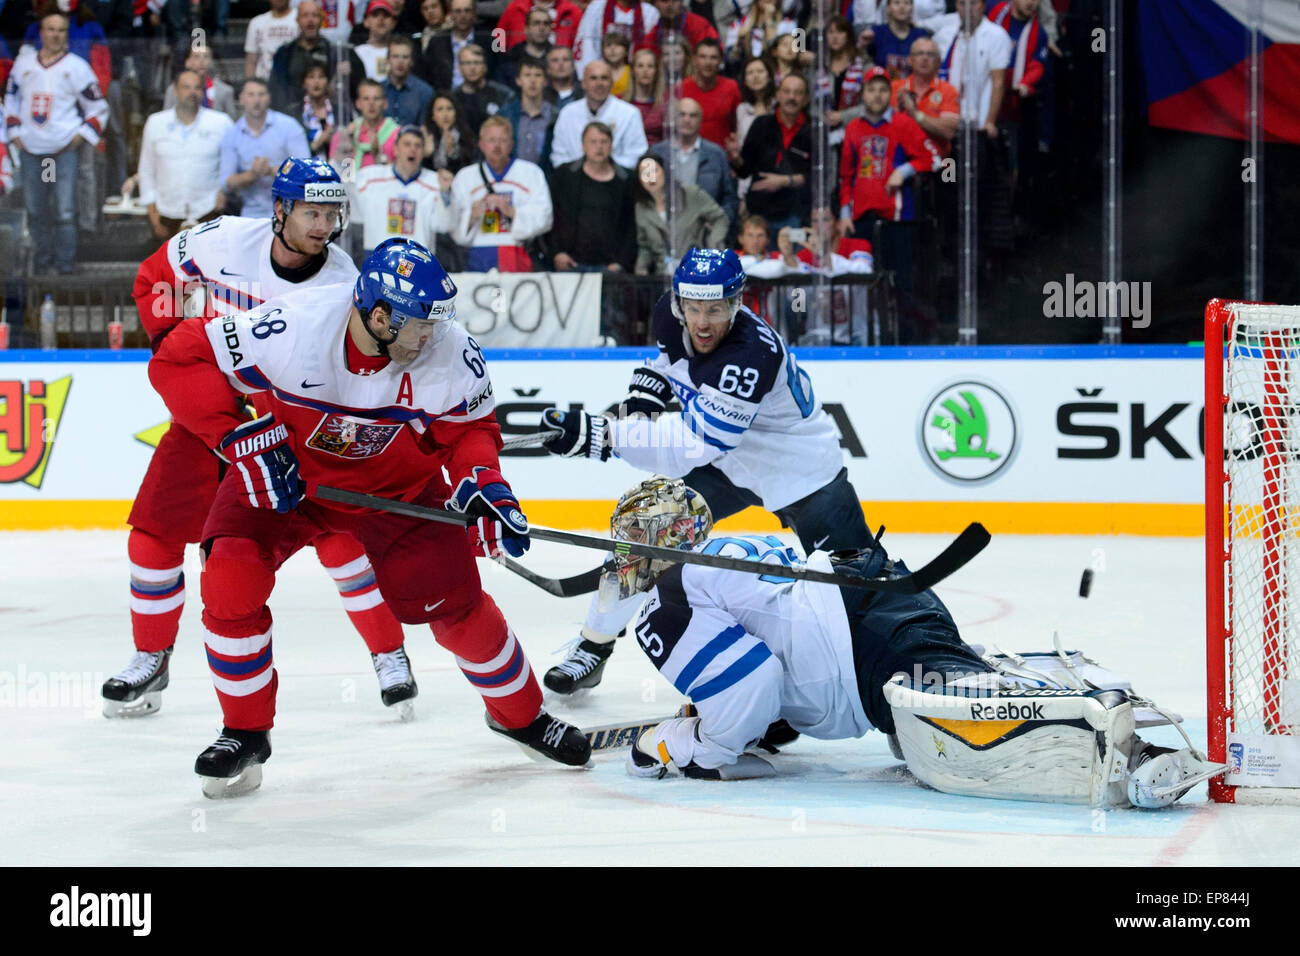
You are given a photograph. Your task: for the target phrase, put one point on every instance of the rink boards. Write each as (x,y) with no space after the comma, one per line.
(1052,440)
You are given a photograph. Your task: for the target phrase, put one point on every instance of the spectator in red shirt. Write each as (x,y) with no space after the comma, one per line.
(690,25)
(565,17)
(883,151)
(933,103)
(717,95)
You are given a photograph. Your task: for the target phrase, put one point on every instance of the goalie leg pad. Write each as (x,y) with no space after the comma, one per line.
(1016,744)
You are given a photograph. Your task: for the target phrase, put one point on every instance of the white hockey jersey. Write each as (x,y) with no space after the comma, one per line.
(352,430)
(523,183)
(232,256)
(390,206)
(747,408)
(749,649)
(46,106)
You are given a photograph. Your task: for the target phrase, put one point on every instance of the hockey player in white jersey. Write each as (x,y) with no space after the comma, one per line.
(219,268)
(835,663)
(747,412)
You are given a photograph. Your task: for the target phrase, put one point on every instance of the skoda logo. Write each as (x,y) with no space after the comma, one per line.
(968,432)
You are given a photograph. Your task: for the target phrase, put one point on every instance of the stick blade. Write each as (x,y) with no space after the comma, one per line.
(970,542)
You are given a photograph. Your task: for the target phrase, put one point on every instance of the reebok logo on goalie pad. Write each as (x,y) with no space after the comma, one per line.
(1006,712)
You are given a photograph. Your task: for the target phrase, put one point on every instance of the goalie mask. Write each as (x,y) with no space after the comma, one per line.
(659,511)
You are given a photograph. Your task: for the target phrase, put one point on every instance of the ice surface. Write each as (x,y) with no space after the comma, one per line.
(348,784)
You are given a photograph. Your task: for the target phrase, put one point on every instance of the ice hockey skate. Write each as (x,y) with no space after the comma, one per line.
(136,691)
(582,669)
(1159,776)
(232,766)
(547,737)
(397,687)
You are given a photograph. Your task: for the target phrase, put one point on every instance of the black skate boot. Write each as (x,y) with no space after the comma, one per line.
(137,690)
(232,766)
(583,668)
(397,686)
(549,737)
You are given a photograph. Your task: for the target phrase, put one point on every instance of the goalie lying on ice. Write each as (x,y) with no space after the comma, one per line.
(749,650)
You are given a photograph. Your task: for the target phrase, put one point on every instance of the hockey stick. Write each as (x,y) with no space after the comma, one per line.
(583,583)
(524,441)
(967,544)
(618,736)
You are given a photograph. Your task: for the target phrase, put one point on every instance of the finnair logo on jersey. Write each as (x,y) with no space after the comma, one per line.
(76,909)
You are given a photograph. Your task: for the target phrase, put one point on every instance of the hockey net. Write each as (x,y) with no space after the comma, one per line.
(1252,556)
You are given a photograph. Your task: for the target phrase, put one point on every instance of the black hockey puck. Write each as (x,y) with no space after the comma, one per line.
(1085,583)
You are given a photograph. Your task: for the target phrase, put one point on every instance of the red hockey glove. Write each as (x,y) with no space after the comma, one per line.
(260,451)
(500,525)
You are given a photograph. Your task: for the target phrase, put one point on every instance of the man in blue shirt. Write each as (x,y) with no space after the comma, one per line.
(254,148)
(408,95)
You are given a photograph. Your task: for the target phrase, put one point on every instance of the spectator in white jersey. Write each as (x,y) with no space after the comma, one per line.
(501,203)
(746,408)
(180,160)
(52,105)
(267,32)
(402,199)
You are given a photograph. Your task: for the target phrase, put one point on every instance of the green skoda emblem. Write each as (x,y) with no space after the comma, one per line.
(968,432)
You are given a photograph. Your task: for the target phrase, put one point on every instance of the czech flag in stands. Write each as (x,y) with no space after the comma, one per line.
(1196,60)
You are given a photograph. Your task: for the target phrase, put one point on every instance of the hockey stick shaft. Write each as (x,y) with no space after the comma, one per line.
(619,736)
(583,583)
(525,441)
(968,544)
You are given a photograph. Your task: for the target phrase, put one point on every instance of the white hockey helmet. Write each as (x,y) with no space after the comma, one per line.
(659,511)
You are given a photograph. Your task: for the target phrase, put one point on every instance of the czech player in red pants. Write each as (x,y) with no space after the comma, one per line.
(371,388)
(220,268)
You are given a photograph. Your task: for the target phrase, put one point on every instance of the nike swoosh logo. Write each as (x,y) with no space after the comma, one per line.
(430,607)
(223,271)
(817,544)
(306,384)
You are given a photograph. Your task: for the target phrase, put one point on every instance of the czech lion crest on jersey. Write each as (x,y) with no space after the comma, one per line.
(352,438)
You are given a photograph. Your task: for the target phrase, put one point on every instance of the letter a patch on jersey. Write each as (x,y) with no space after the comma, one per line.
(350,438)
(405,391)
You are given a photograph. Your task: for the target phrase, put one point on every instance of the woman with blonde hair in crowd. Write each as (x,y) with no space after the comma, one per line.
(645,91)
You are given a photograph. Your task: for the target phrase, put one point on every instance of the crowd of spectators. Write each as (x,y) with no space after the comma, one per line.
(549,134)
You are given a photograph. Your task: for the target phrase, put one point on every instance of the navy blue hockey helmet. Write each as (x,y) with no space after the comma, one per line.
(708,274)
(405,276)
(311,180)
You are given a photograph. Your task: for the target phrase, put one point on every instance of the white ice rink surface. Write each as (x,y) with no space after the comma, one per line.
(349,785)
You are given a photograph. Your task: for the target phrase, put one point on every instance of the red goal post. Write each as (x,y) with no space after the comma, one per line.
(1252,549)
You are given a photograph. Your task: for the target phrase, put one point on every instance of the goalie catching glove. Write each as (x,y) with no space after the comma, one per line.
(501,524)
(576,434)
(260,451)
